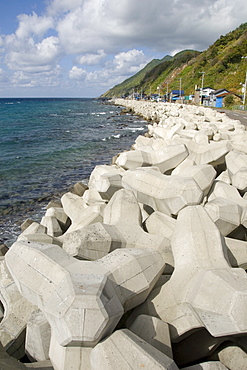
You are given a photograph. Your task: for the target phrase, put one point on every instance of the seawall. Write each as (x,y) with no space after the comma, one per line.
(145,266)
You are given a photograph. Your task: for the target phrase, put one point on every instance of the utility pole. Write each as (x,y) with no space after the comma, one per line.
(245,85)
(158,88)
(245,89)
(180,88)
(203,73)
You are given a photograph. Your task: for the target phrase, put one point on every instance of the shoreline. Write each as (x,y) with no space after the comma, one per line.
(156,240)
(16,206)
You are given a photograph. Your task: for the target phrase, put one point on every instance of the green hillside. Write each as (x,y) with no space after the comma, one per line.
(132,82)
(222,63)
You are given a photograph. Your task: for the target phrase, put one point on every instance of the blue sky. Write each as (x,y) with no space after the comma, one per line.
(81,48)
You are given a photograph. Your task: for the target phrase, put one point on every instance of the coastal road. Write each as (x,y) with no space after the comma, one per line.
(240,115)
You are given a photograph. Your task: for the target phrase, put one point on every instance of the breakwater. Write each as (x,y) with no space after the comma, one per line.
(144,266)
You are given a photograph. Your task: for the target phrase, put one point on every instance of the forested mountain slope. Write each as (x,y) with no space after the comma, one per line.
(222,62)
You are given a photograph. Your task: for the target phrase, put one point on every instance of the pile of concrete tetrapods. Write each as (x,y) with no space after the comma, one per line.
(143,267)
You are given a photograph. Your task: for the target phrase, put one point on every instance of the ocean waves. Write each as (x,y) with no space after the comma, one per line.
(49,144)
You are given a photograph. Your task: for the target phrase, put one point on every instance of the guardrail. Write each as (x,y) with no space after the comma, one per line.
(239,107)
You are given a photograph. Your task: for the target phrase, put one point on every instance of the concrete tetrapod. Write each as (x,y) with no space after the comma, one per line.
(225,214)
(167,194)
(220,189)
(106,179)
(239,179)
(212,365)
(213,153)
(52,225)
(40,365)
(33,228)
(73,205)
(160,224)
(235,161)
(233,357)
(237,252)
(154,331)
(38,233)
(89,216)
(125,350)
(163,225)
(121,229)
(203,175)
(79,213)
(165,159)
(69,358)
(38,337)
(203,290)
(83,301)
(60,215)
(17,311)
(92,197)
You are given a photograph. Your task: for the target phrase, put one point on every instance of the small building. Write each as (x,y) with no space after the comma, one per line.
(197,98)
(176,95)
(216,98)
(205,94)
(206,91)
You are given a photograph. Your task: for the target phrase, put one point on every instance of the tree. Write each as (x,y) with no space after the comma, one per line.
(229,100)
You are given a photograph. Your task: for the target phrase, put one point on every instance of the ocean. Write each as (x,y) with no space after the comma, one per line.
(47,145)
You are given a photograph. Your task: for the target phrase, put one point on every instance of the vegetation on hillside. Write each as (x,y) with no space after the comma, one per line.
(222,62)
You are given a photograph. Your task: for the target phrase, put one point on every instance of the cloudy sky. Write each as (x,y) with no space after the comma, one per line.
(81,48)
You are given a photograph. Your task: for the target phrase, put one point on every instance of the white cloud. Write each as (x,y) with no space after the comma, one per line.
(114,71)
(111,39)
(157,24)
(131,60)
(3,76)
(21,79)
(91,59)
(27,50)
(33,24)
(56,7)
(46,78)
(77,73)
(33,57)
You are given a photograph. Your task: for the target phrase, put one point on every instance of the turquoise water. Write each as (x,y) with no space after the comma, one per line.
(47,145)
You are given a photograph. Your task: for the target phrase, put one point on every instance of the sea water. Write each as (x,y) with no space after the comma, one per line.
(47,145)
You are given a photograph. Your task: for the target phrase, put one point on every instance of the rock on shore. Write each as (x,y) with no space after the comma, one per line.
(145,267)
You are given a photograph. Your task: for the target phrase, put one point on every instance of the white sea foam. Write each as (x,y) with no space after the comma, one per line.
(78,114)
(117,136)
(134,129)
